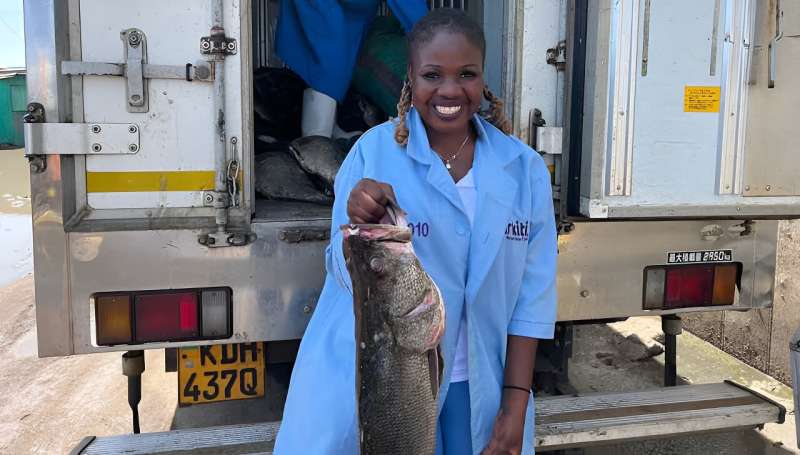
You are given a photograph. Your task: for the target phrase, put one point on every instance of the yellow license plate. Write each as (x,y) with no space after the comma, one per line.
(221,372)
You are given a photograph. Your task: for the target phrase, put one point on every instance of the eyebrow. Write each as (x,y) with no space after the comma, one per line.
(432,66)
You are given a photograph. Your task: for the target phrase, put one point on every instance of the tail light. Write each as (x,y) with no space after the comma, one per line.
(162,316)
(697,285)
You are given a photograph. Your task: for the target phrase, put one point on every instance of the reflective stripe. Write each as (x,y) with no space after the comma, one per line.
(127,182)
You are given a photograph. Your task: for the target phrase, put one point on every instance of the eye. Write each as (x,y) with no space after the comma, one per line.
(468,74)
(376,264)
(430,75)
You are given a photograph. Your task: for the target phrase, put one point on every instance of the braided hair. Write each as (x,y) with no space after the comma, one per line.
(452,21)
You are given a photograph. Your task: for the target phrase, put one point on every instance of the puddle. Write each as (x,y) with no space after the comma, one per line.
(26,346)
(16,240)
(15,188)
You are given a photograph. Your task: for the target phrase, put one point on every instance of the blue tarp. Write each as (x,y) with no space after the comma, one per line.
(320,39)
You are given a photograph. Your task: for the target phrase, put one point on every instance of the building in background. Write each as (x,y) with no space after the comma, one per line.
(13,98)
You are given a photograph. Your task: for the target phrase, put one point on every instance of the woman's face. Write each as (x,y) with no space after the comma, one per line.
(447,82)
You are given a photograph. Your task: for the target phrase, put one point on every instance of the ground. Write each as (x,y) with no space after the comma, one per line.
(48,405)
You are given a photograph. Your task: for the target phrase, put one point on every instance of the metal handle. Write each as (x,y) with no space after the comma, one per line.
(772,43)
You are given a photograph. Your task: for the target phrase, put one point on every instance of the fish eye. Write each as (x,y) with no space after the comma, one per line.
(376,264)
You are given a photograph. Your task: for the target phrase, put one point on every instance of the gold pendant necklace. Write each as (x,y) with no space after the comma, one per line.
(455,155)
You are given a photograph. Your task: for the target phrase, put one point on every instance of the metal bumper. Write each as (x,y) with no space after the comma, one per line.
(561,422)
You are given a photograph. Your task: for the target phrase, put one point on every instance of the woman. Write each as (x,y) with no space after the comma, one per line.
(480,206)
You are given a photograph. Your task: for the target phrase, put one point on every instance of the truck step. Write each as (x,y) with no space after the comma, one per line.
(607,418)
(561,422)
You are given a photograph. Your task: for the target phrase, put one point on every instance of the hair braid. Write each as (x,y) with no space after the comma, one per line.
(401,129)
(496,115)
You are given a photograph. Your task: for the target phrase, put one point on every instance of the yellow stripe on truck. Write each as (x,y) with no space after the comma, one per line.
(134,182)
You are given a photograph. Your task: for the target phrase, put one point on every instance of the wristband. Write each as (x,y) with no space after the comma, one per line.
(517,388)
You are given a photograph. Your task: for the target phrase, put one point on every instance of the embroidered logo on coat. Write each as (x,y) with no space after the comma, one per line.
(518,230)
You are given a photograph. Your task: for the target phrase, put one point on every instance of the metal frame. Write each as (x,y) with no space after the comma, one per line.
(625,42)
(737,53)
(51,198)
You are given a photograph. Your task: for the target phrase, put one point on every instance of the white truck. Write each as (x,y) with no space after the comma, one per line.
(668,127)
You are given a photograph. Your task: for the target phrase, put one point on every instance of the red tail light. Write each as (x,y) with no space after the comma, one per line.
(689,286)
(162,317)
(682,286)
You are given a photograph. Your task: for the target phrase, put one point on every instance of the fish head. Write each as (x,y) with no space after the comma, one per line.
(384,267)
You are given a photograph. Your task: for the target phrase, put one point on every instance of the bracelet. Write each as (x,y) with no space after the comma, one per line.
(517,388)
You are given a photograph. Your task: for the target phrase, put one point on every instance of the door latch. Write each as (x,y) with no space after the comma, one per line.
(137,71)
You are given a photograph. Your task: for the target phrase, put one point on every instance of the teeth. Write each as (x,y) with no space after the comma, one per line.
(448,110)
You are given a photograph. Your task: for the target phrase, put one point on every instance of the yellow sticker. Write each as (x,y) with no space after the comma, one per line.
(701,98)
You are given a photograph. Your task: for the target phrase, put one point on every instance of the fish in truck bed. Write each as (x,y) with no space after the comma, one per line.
(399,321)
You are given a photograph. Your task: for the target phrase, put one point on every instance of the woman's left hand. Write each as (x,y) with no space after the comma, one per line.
(509,427)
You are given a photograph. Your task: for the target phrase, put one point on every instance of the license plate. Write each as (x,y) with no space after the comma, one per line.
(221,372)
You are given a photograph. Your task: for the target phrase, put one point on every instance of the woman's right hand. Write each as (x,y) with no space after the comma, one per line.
(367,201)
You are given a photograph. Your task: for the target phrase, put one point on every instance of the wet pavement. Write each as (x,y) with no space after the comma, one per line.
(15,219)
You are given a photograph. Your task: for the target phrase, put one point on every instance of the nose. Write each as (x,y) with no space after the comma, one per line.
(449,88)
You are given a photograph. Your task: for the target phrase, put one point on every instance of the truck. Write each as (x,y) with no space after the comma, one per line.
(667,127)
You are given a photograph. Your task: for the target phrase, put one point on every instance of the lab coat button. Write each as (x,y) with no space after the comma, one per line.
(461,230)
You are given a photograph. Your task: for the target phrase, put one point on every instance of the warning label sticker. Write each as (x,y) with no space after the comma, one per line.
(701,98)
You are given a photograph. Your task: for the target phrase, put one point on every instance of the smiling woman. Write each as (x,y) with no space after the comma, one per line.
(462,179)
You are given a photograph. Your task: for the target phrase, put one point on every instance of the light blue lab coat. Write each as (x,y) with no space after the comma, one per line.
(502,271)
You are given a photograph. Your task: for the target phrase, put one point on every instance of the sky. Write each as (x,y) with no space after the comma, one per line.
(12,36)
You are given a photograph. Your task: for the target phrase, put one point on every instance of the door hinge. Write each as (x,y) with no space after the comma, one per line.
(218,45)
(557,56)
(81,138)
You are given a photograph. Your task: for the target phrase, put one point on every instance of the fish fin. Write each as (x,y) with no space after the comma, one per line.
(435,366)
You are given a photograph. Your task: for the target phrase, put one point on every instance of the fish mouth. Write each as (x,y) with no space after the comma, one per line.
(377,232)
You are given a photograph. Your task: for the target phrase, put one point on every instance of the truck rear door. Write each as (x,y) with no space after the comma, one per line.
(688,110)
(147,113)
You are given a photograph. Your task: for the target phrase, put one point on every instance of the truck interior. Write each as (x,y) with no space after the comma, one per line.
(278,90)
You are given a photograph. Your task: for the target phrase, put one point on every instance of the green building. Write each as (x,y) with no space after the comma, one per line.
(13,99)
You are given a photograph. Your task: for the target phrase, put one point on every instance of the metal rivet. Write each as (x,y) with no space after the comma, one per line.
(747,187)
(307,309)
(209,198)
(205,45)
(132,129)
(768,187)
(134,39)
(96,129)
(133,148)
(584,293)
(96,147)
(135,98)
(231,46)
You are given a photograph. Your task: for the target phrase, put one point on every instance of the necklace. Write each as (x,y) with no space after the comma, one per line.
(455,155)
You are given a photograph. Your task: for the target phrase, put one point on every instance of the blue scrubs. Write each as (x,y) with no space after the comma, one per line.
(501,271)
(320,39)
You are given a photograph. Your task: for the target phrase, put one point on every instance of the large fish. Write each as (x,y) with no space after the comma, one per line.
(399,316)
(320,157)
